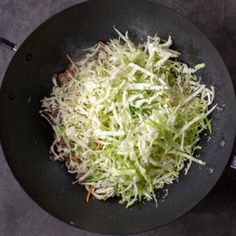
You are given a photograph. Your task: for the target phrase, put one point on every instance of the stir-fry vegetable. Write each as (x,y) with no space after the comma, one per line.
(127,118)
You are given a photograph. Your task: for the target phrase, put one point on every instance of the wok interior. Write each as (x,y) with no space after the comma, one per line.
(26,137)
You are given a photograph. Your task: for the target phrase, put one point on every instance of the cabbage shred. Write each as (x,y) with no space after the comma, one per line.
(128,118)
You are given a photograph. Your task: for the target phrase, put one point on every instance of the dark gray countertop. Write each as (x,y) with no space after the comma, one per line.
(215,215)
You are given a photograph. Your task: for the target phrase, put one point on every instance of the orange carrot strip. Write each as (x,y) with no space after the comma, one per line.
(69,72)
(75,159)
(90,190)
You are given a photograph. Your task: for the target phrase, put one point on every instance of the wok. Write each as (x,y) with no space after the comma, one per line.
(26,137)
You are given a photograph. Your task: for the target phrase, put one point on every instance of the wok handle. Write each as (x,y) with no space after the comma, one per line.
(8,44)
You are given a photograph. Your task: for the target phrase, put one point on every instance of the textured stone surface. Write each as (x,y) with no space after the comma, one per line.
(215,215)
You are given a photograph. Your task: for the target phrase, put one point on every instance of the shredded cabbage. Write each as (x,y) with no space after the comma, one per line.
(127,118)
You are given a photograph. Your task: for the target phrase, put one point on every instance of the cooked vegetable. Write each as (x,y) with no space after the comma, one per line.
(127,118)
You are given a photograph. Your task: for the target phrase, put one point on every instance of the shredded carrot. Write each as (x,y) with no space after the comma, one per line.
(69,72)
(90,190)
(70,60)
(75,159)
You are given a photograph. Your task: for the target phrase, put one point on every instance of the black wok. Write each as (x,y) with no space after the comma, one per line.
(26,137)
